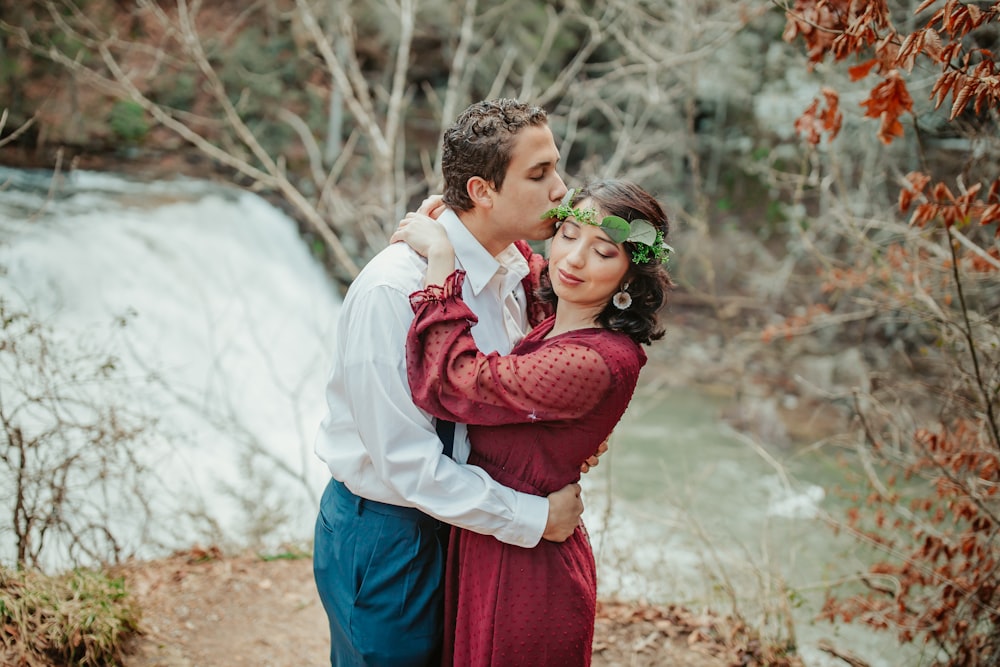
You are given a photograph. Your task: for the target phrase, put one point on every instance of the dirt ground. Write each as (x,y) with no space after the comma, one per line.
(204,610)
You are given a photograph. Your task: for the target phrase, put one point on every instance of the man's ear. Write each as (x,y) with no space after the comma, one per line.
(480,191)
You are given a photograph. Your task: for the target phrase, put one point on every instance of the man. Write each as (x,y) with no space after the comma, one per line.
(378,554)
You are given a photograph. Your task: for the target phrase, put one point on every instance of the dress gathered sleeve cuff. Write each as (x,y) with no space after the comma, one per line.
(450,292)
(451,379)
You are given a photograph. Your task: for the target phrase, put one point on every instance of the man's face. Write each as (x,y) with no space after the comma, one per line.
(532,187)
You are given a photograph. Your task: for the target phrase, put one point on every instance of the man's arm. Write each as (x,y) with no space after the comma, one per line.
(404,448)
(593,460)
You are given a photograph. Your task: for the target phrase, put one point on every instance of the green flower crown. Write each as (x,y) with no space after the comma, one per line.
(648,240)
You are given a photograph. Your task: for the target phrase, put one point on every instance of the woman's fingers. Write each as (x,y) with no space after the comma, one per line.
(432,206)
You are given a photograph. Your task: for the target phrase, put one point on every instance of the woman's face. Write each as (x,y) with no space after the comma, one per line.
(585,266)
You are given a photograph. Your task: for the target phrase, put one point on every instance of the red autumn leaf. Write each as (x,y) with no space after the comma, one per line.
(923,214)
(962,98)
(815,121)
(942,192)
(918,180)
(861,71)
(932,44)
(889,127)
(887,102)
(990,214)
(806,124)
(905,198)
(831,117)
(994,194)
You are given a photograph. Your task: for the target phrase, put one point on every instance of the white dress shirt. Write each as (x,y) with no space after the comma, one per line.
(374,439)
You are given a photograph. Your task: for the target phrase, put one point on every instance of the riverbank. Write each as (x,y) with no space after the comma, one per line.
(202,608)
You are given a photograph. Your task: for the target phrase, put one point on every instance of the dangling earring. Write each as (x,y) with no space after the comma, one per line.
(622,299)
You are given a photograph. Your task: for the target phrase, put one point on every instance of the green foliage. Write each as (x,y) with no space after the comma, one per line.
(292,552)
(258,70)
(178,91)
(648,239)
(9,67)
(81,618)
(775,212)
(128,122)
(263,73)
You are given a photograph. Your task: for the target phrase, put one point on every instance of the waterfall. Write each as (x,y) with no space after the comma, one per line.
(221,324)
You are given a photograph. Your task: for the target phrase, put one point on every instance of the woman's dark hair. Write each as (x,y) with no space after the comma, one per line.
(649,282)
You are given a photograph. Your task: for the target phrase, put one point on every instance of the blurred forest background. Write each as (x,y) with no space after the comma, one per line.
(830,167)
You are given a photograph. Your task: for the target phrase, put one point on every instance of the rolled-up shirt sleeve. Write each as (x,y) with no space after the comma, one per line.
(404,450)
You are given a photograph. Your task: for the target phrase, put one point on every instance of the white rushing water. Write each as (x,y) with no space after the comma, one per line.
(229,325)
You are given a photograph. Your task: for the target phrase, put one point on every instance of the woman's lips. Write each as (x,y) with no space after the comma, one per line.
(569,278)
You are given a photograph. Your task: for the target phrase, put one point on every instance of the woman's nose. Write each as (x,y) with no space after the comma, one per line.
(576,257)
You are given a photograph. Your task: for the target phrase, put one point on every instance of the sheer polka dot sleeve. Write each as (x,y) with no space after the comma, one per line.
(452,379)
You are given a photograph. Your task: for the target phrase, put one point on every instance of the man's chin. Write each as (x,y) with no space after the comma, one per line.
(547,232)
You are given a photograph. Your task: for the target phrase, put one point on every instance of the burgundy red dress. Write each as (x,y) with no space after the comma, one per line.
(534,416)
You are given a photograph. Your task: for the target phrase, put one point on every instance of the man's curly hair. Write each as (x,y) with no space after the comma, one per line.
(480,143)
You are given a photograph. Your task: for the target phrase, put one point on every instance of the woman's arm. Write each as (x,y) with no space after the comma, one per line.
(427,237)
(450,378)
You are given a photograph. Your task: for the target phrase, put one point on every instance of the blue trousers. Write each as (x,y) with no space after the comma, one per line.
(379,570)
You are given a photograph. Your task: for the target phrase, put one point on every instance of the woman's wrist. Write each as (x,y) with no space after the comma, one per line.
(440,263)
(441,253)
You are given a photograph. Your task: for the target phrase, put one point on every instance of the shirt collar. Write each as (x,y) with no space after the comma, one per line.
(480,267)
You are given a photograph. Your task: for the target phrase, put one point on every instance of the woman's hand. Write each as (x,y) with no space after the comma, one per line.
(422,233)
(432,206)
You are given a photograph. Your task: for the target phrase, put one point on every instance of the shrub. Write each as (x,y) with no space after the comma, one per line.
(70,439)
(82,618)
(128,122)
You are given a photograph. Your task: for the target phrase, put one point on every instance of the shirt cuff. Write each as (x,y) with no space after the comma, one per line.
(534,514)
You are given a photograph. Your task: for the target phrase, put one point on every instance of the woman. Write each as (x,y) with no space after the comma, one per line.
(535,415)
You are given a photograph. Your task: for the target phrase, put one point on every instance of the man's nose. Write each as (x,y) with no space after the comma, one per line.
(559,192)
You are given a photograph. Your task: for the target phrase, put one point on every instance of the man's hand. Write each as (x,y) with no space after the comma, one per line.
(592,461)
(565,508)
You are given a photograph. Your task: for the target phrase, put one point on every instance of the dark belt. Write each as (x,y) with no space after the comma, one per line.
(364,504)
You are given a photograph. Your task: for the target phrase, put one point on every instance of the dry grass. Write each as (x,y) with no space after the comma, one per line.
(82,618)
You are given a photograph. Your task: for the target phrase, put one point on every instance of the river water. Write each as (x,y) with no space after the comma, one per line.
(228,329)
(684,510)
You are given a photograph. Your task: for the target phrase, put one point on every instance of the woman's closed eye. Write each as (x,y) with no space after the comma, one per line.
(598,250)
